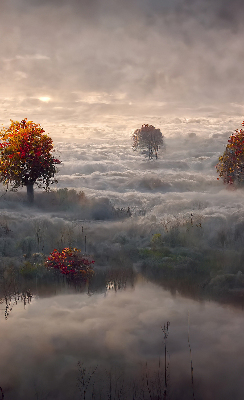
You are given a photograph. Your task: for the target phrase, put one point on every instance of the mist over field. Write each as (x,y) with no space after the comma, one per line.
(100,178)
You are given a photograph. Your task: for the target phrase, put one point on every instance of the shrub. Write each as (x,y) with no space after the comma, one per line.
(70,262)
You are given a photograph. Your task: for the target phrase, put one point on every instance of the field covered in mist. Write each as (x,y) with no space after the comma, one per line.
(168,218)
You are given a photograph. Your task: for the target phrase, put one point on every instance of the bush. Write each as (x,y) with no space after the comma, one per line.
(70,262)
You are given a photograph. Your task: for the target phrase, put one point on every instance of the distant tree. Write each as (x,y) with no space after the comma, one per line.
(148,137)
(231,164)
(26,157)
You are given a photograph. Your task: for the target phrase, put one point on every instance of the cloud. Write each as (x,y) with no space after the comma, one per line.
(143,57)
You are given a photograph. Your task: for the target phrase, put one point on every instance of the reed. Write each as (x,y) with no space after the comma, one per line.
(84,379)
(189,345)
(165,330)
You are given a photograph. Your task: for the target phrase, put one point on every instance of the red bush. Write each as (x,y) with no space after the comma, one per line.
(70,262)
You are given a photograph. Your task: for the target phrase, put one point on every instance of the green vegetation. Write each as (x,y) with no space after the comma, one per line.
(195,267)
(184,254)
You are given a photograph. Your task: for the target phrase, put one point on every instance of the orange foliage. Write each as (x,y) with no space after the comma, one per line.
(231,164)
(26,155)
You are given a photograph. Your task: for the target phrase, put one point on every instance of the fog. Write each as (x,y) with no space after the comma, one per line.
(110,65)
(99,180)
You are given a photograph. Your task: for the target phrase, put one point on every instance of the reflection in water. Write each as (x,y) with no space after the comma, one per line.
(188,285)
(14,288)
(67,345)
(116,383)
(117,279)
(11,293)
(11,299)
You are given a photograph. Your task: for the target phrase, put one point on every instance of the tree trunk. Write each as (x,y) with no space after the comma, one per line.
(30,192)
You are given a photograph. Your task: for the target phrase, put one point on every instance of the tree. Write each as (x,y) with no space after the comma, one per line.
(231,164)
(148,137)
(70,262)
(26,157)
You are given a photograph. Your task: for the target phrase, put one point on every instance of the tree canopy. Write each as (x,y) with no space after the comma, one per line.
(148,137)
(231,164)
(26,156)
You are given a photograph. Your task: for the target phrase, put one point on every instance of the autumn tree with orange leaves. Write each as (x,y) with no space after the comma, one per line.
(231,164)
(26,157)
(148,137)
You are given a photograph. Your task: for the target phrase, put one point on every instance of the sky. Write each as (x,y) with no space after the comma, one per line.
(116,64)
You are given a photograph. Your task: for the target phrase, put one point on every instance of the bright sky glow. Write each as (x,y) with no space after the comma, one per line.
(45,99)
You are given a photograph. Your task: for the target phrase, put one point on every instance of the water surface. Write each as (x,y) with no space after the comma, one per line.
(117,338)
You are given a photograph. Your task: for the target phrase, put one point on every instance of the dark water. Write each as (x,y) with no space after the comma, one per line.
(66,344)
